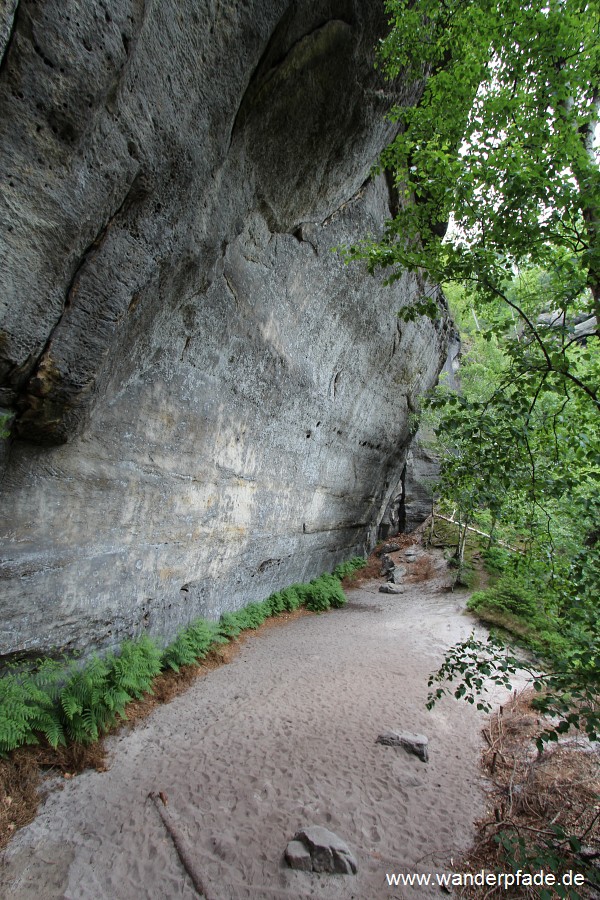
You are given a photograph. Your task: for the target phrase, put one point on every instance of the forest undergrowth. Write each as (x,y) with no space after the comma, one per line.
(543,810)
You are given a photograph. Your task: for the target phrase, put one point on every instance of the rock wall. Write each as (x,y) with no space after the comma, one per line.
(206,403)
(421,474)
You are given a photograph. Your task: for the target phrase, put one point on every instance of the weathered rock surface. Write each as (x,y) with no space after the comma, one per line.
(389,548)
(209,404)
(421,475)
(387,565)
(389,588)
(327,853)
(397,574)
(297,856)
(417,744)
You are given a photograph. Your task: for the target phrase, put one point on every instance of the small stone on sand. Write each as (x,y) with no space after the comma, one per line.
(412,743)
(326,852)
(390,588)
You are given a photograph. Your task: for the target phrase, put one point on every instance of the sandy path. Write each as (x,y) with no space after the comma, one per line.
(281,737)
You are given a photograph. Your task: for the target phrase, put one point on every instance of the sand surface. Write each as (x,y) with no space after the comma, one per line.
(283,736)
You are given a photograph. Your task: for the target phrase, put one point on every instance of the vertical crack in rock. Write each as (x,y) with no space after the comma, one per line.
(231,288)
(47,389)
(334,384)
(394,197)
(8,31)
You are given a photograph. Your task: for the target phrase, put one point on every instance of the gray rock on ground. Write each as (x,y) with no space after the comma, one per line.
(391,547)
(319,850)
(397,574)
(387,565)
(297,856)
(389,588)
(413,743)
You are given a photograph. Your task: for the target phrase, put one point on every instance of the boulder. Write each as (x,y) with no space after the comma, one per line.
(387,565)
(389,548)
(389,588)
(397,574)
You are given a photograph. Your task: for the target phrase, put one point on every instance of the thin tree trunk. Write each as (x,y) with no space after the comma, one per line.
(493,526)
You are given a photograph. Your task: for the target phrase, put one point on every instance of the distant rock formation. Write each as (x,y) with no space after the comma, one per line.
(412,501)
(207,404)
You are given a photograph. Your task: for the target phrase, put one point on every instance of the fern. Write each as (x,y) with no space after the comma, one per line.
(192,643)
(16,713)
(25,709)
(86,713)
(179,653)
(325,592)
(295,596)
(229,625)
(255,615)
(135,667)
(275,604)
(349,567)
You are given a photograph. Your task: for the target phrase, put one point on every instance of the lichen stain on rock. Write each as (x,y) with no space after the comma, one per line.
(45,378)
(201,384)
(36,415)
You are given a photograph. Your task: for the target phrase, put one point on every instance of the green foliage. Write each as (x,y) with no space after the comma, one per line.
(73,701)
(509,594)
(546,854)
(230,626)
(89,702)
(495,559)
(293,597)
(344,569)
(502,142)
(276,603)
(26,709)
(191,644)
(6,420)
(503,148)
(252,616)
(135,666)
(94,695)
(522,462)
(323,593)
(466,576)
(567,692)
(473,664)
(524,608)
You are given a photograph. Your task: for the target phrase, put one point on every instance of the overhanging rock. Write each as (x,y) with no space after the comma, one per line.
(208,403)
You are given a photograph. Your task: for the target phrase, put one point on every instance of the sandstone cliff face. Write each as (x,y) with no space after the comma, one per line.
(207,403)
(421,475)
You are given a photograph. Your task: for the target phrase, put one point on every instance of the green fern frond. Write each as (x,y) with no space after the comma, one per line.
(71,706)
